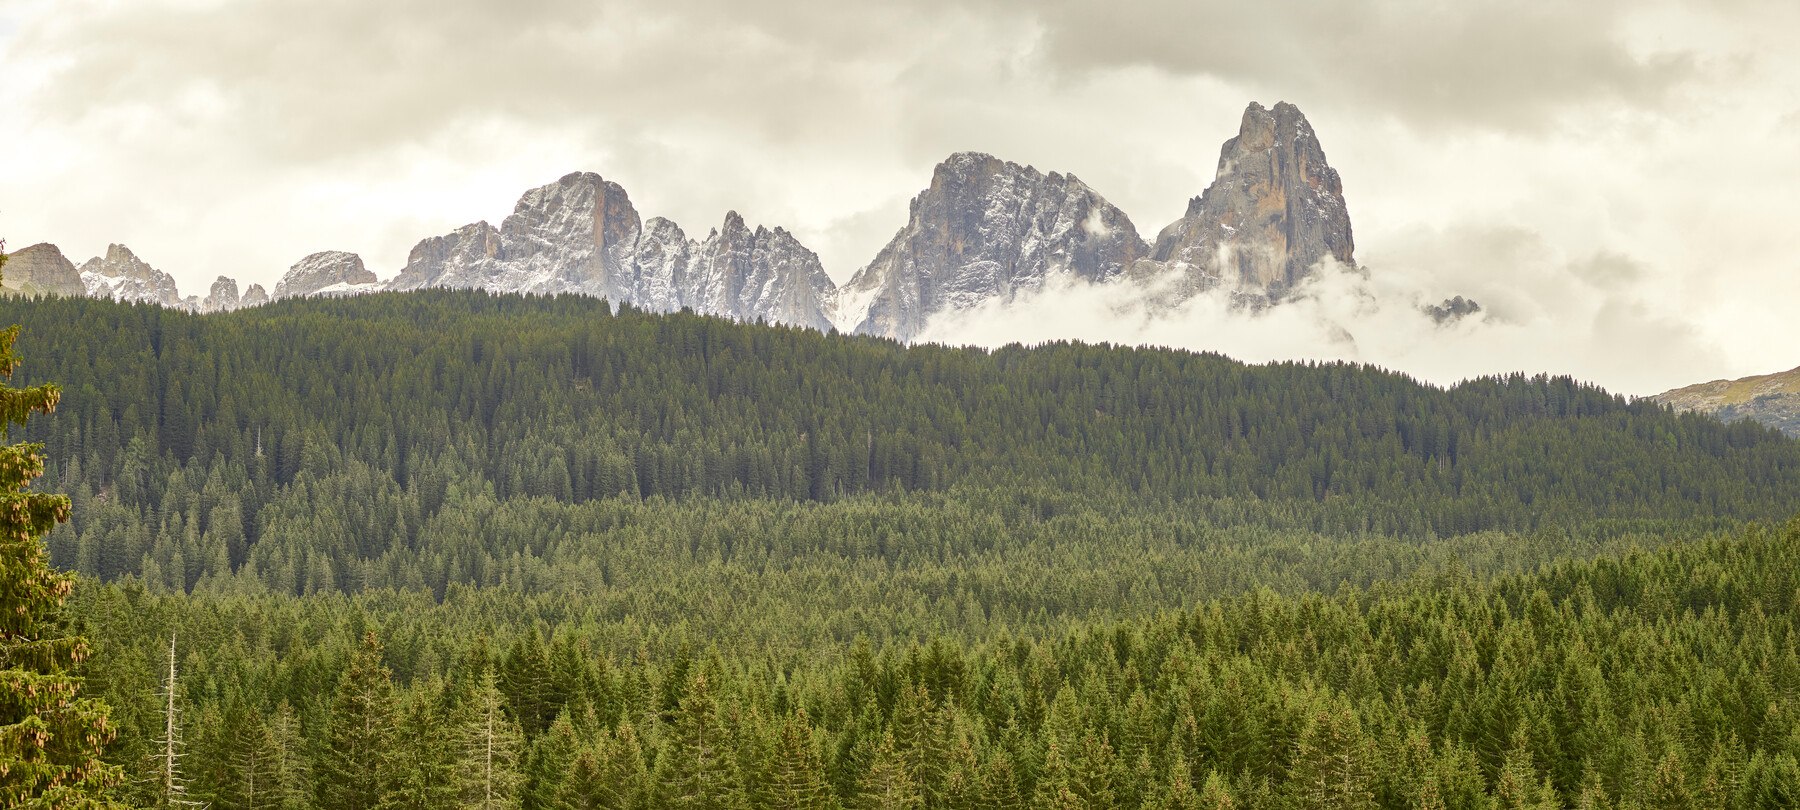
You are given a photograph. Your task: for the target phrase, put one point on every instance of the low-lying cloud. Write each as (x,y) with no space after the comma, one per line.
(1560,323)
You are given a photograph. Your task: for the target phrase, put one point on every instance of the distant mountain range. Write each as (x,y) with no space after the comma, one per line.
(985,230)
(1772,399)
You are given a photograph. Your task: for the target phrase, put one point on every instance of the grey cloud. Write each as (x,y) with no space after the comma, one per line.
(1510,64)
(1608,270)
(312,79)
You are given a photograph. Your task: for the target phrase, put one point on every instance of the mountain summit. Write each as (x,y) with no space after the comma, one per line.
(1274,211)
(986,229)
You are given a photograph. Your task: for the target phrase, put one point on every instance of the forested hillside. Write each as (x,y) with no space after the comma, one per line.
(445,549)
(425,439)
(1663,680)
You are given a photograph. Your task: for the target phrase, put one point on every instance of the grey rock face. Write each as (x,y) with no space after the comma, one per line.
(122,276)
(756,275)
(1273,212)
(41,269)
(256,296)
(581,234)
(223,297)
(328,273)
(1452,310)
(452,260)
(986,229)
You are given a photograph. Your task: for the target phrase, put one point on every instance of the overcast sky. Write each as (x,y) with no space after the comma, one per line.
(1616,182)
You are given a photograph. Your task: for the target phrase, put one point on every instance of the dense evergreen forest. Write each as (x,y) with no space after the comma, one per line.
(1657,680)
(432,438)
(444,549)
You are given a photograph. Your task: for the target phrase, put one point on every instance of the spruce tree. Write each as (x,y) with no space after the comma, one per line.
(251,762)
(1000,783)
(291,765)
(1331,763)
(50,736)
(489,775)
(696,770)
(796,776)
(886,785)
(1215,795)
(585,789)
(424,760)
(355,769)
(548,763)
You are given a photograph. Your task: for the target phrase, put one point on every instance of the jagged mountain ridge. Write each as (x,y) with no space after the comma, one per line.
(122,276)
(986,230)
(581,234)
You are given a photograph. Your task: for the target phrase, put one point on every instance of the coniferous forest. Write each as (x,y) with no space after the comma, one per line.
(447,549)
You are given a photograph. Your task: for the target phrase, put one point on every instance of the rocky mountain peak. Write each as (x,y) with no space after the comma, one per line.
(986,229)
(120,262)
(330,272)
(41,269)
(223,297)
(1274,212)
(122,276)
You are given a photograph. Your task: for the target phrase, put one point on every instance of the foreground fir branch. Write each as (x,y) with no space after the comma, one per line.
(50,736)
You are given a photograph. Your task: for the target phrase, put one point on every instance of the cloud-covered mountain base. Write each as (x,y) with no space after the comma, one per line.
(1390,319)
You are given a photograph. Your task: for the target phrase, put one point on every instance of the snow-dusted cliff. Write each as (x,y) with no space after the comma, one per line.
(986,229)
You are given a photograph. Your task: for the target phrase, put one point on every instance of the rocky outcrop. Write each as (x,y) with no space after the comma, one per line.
(581,234)
(256,296)
(122,276)
(1772,399)
(1274,212)
(454,260)
(41,269)
(327,273)
(756,275)
(223,297)
(986,230)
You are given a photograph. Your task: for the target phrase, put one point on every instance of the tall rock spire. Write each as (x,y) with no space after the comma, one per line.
(1274,211)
